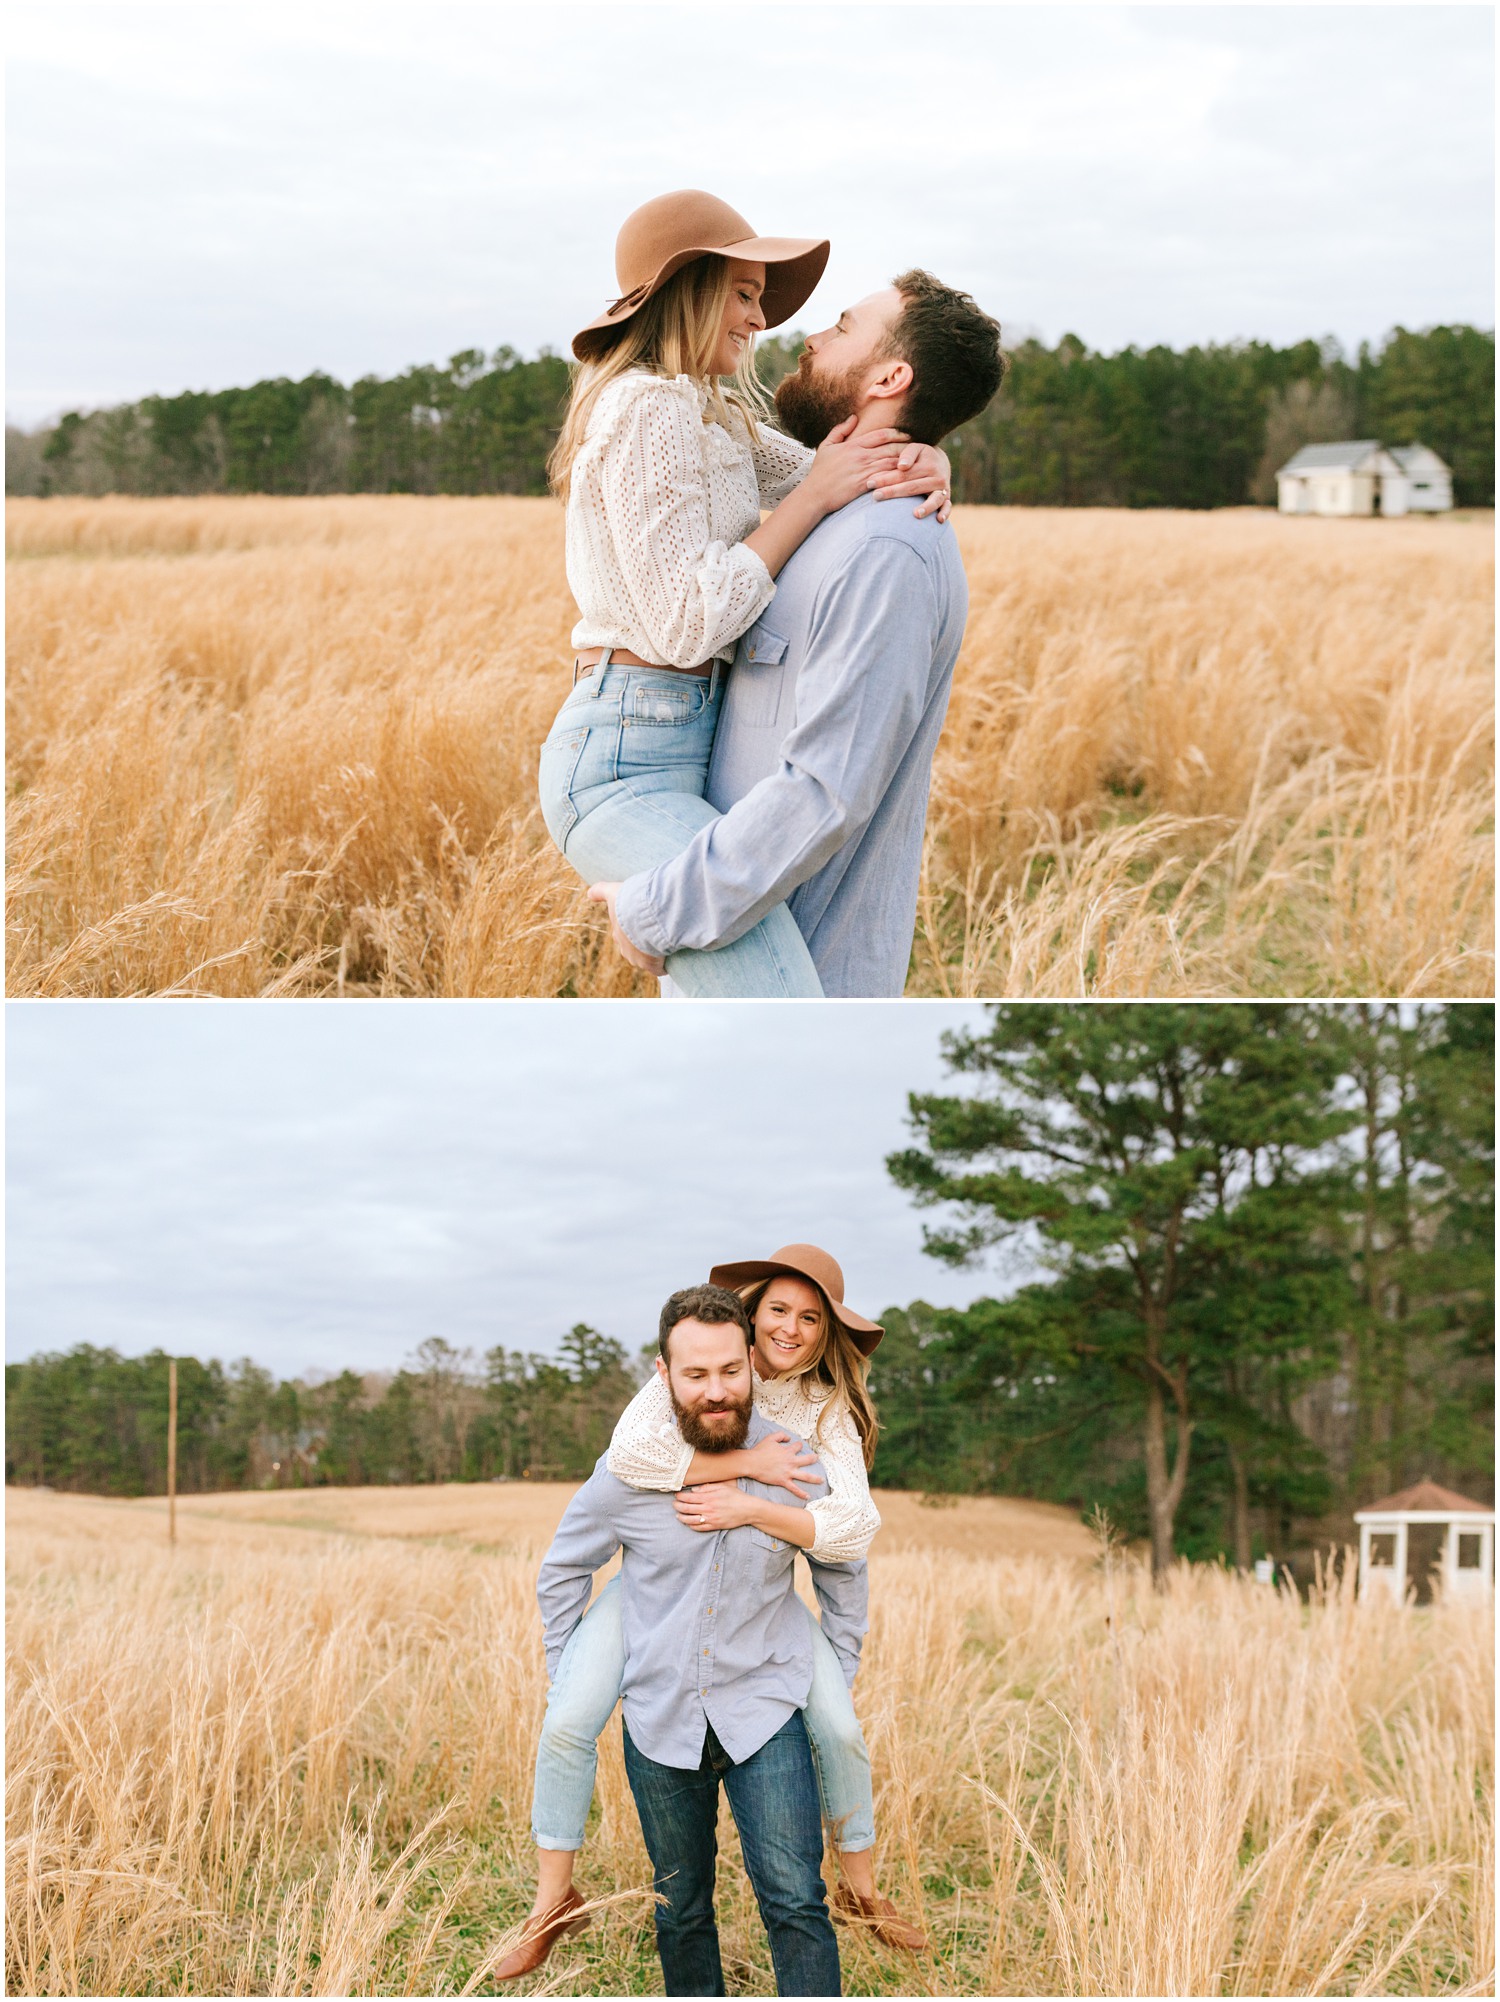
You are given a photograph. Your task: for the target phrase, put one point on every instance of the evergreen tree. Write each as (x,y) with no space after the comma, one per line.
(1146,1153)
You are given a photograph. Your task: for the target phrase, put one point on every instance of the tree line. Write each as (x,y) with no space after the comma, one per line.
(1252,1287)
(1070,427)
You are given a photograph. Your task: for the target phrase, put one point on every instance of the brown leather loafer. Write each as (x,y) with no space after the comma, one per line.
(879,1916)
(540,1936)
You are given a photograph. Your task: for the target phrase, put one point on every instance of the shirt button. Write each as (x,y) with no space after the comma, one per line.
(705,1650)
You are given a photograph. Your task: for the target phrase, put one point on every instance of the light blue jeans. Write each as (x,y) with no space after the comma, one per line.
(622,776)
(586,1689)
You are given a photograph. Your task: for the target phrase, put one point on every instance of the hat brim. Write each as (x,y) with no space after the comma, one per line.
(794,264)
(866,1335)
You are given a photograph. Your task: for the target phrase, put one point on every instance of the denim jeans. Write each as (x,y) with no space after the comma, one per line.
(774,1800)
(587,1688)
(621,781)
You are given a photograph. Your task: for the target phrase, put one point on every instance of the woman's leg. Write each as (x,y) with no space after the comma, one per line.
(583,1694)
(839,1754)
(842,1765)
(621,782)
(637,831)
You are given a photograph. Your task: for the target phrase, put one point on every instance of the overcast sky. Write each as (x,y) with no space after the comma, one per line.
(203,195)
(324,1185)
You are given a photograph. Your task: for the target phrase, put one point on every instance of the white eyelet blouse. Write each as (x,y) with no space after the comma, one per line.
(648,1451)
(659,505)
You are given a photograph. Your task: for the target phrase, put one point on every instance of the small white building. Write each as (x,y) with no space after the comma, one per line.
(1363,477)
(1466,1568)
(1429,481)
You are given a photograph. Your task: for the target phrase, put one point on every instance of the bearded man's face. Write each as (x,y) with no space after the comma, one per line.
(810,401)
(835,365)
(709,1380)
(713,1425)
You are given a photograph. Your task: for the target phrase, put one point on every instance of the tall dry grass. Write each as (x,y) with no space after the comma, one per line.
(288,747)
(284,1761)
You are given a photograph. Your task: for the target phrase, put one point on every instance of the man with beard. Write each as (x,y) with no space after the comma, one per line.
(717,1667)
(823,756)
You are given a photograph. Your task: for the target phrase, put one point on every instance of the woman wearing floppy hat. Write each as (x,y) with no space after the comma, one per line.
(809,1363)
(665,461)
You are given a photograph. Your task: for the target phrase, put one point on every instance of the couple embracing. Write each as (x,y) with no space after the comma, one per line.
(752,1440)
(742,768)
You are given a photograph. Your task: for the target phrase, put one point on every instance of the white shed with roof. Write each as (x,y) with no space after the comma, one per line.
(1341,479)
(1467,1563)
(1429,481)
(1362,476)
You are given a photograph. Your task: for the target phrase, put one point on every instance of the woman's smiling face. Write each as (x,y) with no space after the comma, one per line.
(743,319)
(788,1323)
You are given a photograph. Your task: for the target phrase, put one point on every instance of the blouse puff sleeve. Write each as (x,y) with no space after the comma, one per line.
(692,595)
(845,1519)
(647,1451)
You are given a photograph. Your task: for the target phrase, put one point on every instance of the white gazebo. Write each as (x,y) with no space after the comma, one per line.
(1468,1549)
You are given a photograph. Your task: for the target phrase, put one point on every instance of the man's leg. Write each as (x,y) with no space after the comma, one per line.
(774,1795)
(678,1811)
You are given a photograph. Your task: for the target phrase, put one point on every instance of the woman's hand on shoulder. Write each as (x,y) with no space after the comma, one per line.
(780,1461)
(919,469)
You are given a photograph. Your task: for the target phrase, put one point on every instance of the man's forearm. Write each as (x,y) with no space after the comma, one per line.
(859,698)
(736,869)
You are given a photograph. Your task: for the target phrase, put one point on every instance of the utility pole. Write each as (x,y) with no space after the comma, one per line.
(172,1451)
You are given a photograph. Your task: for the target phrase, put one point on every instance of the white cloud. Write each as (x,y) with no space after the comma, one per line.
(324,1185)
(206,195)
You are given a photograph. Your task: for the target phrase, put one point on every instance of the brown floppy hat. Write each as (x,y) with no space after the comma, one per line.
(806,1261)
(663,235)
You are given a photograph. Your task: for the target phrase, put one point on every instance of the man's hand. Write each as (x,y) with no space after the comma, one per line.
(605,893)
(719,1506)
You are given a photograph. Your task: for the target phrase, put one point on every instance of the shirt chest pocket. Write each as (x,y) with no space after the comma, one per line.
(759,670)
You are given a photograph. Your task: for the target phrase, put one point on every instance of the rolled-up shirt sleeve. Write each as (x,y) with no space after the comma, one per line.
(647,1450)
(859,702)
(843,1594)
(586,1539)
(691,595)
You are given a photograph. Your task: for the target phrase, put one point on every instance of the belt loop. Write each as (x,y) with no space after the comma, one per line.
(713,677)
(581,673)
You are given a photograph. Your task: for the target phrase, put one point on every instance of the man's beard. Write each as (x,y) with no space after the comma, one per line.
(810,405)
(707,1438)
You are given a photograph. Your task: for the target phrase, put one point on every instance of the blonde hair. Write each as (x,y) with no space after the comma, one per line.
(676,332)
(835,1363)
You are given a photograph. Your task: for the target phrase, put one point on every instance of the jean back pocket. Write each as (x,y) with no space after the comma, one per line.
(556,778)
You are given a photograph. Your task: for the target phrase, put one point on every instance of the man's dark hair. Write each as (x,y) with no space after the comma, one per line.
(954,349)
(715,1306)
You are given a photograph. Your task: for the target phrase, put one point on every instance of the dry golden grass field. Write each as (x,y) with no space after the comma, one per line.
(288,747)
(294,1757)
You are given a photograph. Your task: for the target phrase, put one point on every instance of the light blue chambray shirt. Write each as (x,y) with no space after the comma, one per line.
(823,756)
(713,1631)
